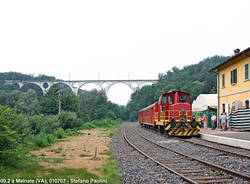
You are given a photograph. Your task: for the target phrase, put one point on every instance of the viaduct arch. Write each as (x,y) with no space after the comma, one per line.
(75,85)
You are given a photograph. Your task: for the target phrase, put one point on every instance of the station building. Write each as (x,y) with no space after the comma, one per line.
(233,82)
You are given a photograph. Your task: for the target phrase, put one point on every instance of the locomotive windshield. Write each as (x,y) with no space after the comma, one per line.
(184,99)
(164,100)
(170,99)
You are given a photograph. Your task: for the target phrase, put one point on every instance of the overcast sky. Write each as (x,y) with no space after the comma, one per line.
(76,40)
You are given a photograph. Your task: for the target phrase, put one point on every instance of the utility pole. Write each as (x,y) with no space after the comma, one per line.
(59,93)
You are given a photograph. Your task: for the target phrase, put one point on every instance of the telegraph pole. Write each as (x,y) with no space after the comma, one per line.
(59,93)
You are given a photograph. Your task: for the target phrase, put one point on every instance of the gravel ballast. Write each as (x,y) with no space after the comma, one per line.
(136,168)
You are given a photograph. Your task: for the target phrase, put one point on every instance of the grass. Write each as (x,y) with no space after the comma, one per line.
(35,171)
(52,160)
(85,155)
(104,123)
(58,150)
(106,152)
(110,169)
(30,169)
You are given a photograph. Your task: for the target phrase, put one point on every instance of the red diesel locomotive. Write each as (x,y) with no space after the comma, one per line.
(171,114)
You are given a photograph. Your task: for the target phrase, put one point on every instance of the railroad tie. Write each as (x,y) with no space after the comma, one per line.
(187,171)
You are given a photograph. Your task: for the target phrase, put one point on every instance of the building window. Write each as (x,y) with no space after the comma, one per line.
(234,76)
(223,80)
(246,71)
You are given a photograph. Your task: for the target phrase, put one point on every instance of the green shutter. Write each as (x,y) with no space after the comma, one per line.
(223,80)
(246,72)
(231,77)
(235,76)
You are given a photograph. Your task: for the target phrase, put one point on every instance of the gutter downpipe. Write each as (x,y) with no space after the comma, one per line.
(218,93)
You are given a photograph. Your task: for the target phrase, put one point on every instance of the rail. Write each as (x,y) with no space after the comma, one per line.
(159,163)
(234,173)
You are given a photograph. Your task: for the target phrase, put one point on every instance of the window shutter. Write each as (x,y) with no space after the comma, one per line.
(223,80)
(235,76)
(246,72)
(231,77)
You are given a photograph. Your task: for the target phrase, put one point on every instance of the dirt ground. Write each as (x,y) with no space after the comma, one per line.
(77,152)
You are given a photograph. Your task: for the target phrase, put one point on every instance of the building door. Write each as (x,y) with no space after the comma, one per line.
(227,108)
(247,104)
(223,108)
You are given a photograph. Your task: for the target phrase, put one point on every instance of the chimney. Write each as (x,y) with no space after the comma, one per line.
(236,51)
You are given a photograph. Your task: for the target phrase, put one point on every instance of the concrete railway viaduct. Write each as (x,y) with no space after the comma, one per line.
(75,85)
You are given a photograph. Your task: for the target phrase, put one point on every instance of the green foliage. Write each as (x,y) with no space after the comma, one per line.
(60,133)
(10,150)
(83,115)
(24,77)
(27,102)
(104,123)
(23,102)
(68,120)
(69,102)
(48,104)
(194,79)
(95,105)
(110,169)
(41,140)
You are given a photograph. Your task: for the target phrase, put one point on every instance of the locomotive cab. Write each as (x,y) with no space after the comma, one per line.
(175,114)
(172,114)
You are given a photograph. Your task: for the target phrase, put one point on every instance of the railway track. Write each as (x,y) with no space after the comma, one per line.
(182,164)
(135,168)
(212,145)
(220,147)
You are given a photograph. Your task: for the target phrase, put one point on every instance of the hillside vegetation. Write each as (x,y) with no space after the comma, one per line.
(90,105)
(194,79)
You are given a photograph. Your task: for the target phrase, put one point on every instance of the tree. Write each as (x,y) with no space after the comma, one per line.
(10,152)
(195,79)
(48,104)
(27,102)
(69,102)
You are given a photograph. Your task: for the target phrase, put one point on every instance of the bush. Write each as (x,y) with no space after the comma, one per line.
(51,138)
(10,140)
(68,120)
(41,140)
(50,123)
(60,133)
(104,123)
(87,126)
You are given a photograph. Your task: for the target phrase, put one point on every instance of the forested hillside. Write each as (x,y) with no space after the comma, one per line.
(29,120)
(90,105)
(22,77)
(194,79)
